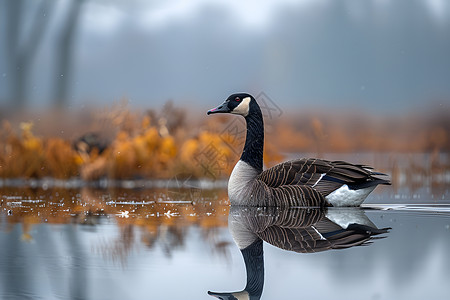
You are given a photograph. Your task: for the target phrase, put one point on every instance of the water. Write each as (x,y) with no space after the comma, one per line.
(83,243)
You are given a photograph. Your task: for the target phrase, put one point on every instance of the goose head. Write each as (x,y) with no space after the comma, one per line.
(238,104)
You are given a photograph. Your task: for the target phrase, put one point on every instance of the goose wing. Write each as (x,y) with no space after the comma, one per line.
(322,236)
(302,240)
(322,175)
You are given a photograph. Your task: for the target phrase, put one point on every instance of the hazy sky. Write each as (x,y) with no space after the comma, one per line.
(375,55)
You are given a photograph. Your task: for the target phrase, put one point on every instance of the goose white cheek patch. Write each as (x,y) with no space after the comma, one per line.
(243,107)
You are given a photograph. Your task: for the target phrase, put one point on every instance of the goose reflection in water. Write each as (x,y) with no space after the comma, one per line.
(303,230)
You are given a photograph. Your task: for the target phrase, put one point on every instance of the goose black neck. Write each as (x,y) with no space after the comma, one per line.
(254,142)
(254,265)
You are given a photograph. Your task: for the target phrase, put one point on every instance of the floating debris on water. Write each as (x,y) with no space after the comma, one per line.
(129,202)
(170,214)
(123,214)
(175,202)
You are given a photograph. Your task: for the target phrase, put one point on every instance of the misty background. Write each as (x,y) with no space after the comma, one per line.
(378,56)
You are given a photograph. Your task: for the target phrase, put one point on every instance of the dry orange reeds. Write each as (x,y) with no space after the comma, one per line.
(160,144)
(60,159)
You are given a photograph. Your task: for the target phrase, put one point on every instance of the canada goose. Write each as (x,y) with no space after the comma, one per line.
(302,182)
(293,229)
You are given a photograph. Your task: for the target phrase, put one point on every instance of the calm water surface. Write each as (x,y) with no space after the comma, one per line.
(58,243)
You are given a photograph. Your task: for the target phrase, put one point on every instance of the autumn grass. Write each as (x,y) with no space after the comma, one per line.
(162,144)
(142,146)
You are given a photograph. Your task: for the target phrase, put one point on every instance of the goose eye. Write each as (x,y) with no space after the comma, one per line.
(237,99)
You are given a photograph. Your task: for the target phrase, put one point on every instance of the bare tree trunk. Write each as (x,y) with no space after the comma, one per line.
(14,14)
(64,47)
(22,51)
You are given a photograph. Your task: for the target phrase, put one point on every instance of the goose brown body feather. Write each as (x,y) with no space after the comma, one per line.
(322,175)
(301,230)
(303,182)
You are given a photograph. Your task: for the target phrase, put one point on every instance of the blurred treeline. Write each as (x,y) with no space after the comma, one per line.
(118,143)
(27,25)
(422,131)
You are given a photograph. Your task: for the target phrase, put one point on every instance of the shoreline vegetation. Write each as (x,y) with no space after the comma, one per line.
(165,169)
(118,144)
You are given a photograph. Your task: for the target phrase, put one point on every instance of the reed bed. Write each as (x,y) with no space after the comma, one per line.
(118,143)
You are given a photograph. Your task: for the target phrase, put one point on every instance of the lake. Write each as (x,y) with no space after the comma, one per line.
(63,241)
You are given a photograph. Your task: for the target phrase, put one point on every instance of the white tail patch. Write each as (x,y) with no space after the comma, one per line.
(344,216)
(344,196)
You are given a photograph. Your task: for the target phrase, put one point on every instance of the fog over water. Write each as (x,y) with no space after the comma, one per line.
(377,56)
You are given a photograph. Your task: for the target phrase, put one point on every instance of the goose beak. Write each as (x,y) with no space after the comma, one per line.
(222,108)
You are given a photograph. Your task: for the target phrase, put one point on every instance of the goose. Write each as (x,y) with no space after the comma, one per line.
(294,229)
(307,182)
